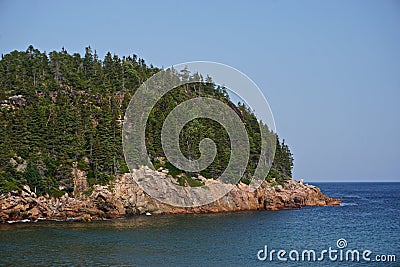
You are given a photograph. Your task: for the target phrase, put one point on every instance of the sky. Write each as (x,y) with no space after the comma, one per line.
(330,70)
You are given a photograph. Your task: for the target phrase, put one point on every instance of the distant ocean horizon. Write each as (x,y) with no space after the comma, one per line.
(368,219)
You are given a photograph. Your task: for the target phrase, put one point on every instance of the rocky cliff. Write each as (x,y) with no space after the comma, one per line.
(125,198)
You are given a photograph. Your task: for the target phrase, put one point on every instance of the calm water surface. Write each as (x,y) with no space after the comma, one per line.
(368,219)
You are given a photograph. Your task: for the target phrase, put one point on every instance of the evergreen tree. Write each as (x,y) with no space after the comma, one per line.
(61,108)
(34,179)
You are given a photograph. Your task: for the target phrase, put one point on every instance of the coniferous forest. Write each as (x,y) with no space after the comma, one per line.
(60,111)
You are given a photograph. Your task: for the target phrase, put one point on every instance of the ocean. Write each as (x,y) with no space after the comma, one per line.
(367,220)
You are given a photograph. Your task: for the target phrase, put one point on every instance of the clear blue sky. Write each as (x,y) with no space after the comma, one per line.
(329,69)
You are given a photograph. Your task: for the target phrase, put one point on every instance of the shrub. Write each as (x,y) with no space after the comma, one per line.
(172,170)
(182,179)
(82,165)
(246,181)
(55,192)
(157,164)
(8,183)
(206,174)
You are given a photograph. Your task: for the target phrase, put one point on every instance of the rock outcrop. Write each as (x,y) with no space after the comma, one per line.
(125,198)
(80,181)
(13,102)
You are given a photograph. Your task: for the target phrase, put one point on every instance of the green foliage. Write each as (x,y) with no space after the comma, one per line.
(123,167)
(246,181)
(34,179)
(187,179)
(274,174)
(157,164)
(91,181)
(282,166)
(104,179)
(274,183)
(89,191)
(83,166)
(206,174)
(172,170)
(8,183)
(69,108)
(55,192)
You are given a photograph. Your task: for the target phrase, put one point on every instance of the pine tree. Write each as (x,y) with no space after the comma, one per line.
(34,179)
(71,111)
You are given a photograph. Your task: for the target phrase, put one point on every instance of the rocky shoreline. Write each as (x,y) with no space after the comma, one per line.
(125,198)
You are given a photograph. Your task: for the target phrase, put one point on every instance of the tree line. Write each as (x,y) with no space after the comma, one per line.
(60,108)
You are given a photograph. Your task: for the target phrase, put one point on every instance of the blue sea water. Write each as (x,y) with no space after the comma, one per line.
(369,219)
